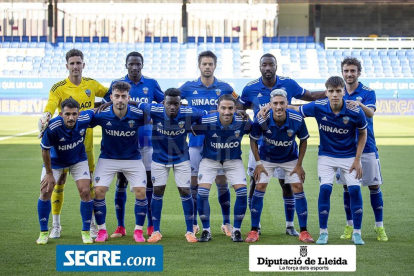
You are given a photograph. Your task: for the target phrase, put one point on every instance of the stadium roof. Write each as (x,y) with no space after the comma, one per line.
(224,1)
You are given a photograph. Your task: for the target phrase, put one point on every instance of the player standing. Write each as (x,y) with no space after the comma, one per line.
(278,149)
(83,90)
(144,90)
(338,126)
(63,148)
(203,93)
(357,94)
(223,132)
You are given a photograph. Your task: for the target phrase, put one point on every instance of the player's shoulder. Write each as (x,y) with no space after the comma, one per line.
(252,83)
(224,85)
(58,84)
(118,80)
(353,110)
(186,110)
(209,118)
(322,102)
(285,79)
(149,80)
(367,89)
(135,110)
(89,80)
(55,123)
(263,120)
(295,116)
(189,84)
(157,108)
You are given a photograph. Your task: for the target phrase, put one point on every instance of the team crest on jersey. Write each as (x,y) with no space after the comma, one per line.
(218,92)
(82,131)
(97,179)
(290,132)
(345,119)
(237,133)
(359,99)
(181,124)
(200,176)
(88,92)
(145,90)
(131,123)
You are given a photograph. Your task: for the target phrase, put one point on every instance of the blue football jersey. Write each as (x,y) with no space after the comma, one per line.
(337,133)
(366,96)
(169,135)
(66,145)
(204,98)
(278,144)
(120,136)
(147,90)
(221,142)
(255,94)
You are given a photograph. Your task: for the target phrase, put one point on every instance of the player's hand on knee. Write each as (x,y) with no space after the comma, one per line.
(300,172)
(358,169)
(43,123)
(258,171)
(48,183)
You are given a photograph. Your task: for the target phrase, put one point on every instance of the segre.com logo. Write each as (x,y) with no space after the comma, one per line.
(109,258)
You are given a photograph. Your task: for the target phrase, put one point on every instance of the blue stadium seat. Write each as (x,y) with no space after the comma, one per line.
(60,39)
(78,39)
(283,39)
(157,39)
(25,38)
(19,59)
(69,39)
(15,45)
(16,39)
(310,45)
(34,39)
(174,39)
(43,38)
(95,39)
(24,45)
(310,39)
(104,39)
(301,46)
(284,46)
(148,39)
(301,39)
(7,38)
(293,46)
(165,39)
(86,39)
(292,39)
(210,39)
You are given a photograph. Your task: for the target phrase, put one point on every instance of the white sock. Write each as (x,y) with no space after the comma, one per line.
(235,229)
(350,223)
(289,224)
(102,227)
(357,231)
(207,229)
(379,224)
(138,227)
(56,220)
(323,230)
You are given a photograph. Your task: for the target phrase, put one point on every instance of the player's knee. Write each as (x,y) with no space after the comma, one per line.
(184,191)
(140,193)
(121,181)
(354,191)
(261,187)
(221,180)
(85,194)
(100,192)
(325,191)
(373,187)
(159,190)
(297,187)
(194,181)
(45,196)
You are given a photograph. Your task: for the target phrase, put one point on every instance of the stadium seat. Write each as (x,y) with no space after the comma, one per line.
(7,38)
(78,39)
(283,39)
(43,38)
(60,39)
(34,39)
(292,39)
(104,39)
(86,39)
(69,39)
(301,39)
(25,38)
(310,39)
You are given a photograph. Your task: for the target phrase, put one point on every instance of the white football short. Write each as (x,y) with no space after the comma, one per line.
(146,154)
(251,165)
(182,174)
(286,167)
(195,159)
(133,170)
(233,170)
(371,170)
(327,167)
(78,171)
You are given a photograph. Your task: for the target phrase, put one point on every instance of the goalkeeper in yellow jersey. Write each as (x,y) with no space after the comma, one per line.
(83,90)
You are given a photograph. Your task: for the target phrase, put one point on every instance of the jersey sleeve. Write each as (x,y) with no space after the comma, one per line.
(303,133)
(197,114)
(244,98)
(182,90)
(54,100)
(256,131)
(248,127)
(361,121)
(371,100)
(158,94)
(46,140)
(197,127)
(308,110)
(107,97)
(101,90)
(296,90)
(145,107)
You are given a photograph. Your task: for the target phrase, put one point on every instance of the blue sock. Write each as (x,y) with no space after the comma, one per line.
(223,193)
(324,204)
(240,207)
(301,209)
(120,201)
(99,209)
(203,206)
(140,209)
(188,206)
(149,215)
(356,205)
(289,208)
(347,205)
(43,212)
(194,192)
(257,207)
(377,203)
(86,208)
(156,206)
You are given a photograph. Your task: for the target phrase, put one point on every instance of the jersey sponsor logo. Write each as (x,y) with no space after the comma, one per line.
(345,119)
(85,105)
(237,133)
(181,124)
(170,132)
(82,132)
(359,99)
(196,102)
(230,145)
(119,133)
(278,143)
(218,92)
(88,92)
(290,132)
(145,90)
(71,146)
(131,123)
(141,100)
(333,129)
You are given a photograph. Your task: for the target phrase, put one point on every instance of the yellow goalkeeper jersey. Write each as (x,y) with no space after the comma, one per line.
(84,94)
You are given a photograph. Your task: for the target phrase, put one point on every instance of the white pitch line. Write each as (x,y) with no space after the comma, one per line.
(17,135)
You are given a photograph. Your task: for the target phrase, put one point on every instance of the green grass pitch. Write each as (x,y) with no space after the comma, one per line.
(20,163)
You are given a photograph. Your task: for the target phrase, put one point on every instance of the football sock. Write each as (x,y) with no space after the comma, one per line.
(120,201)
(301,209)
(187,202)
(323,230)
(377,205)
(356,205)
(289,210)
(257,207)
(324,204)
(43,212)
(57,199)
(194,192)
(149,192)
(140,209)
(357,231)
(86,208)
(56,219)
(240,207)
(223,194)
(347,205)
(99,208)
(156,206)
(203,206)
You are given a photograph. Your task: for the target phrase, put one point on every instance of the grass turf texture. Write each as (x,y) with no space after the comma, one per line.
(20,163)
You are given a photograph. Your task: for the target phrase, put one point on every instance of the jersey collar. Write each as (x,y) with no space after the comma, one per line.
(200,83)
(131,82)
(357,90)
(173,119)
(224,127)
(272,121)
(113,116)
(343,110)
(274,86)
